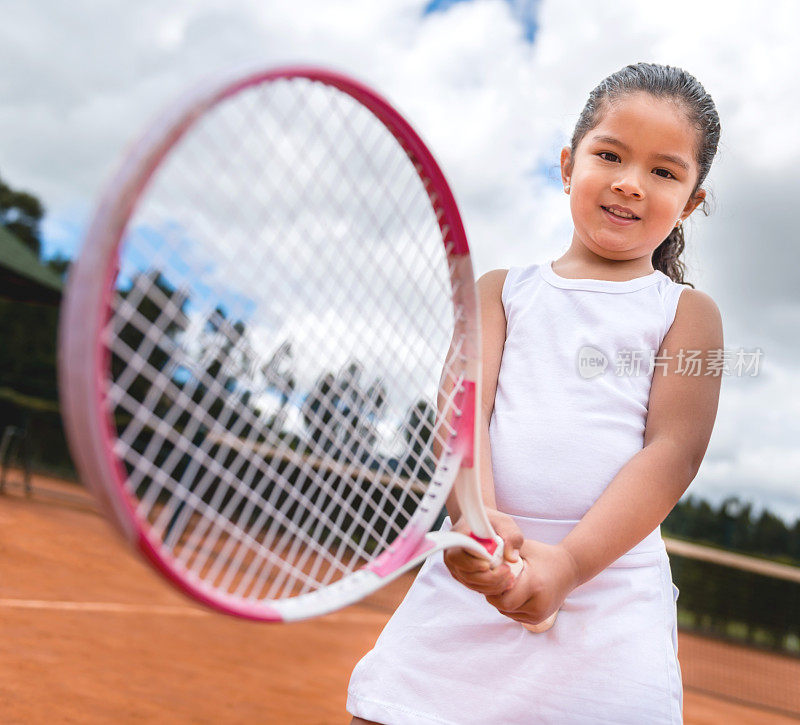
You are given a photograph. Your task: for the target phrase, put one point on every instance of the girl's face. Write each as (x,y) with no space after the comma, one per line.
(639,161)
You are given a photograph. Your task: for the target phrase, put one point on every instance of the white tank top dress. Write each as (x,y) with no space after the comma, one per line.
(570,412)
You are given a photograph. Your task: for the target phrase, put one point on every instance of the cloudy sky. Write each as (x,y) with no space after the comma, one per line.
(494,86)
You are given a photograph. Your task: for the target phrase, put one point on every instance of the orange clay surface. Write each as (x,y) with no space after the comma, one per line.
(89,634)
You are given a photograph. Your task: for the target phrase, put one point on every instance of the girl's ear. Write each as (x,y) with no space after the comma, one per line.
(693,203)
(566,165)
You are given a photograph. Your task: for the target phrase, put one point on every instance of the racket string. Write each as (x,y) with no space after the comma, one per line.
(178,441)
(343,508)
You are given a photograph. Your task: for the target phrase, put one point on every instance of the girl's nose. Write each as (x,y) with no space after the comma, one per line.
(629,187)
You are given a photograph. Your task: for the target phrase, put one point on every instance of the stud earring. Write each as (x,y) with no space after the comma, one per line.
(566,188)
(678,224)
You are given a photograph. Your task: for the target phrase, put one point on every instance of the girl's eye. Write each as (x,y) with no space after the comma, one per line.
(663,173)
(669,174)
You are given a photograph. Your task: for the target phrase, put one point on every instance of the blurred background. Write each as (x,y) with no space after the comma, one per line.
(494,87)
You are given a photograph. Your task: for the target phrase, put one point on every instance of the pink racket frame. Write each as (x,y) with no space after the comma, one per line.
(84,362)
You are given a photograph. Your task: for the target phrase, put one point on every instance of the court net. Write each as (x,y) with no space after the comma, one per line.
(739,621)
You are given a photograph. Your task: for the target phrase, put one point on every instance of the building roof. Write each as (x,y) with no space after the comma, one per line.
(23,278)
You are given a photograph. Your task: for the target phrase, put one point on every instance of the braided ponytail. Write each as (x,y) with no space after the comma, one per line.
(666,257)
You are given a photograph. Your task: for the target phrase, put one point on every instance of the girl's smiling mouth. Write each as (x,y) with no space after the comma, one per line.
(619,214)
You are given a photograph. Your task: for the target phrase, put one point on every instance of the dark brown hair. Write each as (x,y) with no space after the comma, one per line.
(667,82)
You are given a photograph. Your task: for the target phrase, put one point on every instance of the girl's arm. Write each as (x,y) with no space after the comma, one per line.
(681,413)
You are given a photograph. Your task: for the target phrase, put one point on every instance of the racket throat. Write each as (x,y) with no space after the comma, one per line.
(491,545)
(465,426)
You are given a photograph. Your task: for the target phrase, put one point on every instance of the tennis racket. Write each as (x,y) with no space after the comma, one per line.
(270,352)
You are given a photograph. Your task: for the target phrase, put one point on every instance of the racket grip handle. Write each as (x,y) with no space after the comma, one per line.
(516,569)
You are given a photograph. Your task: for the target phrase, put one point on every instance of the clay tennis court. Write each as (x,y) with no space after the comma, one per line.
(89,634)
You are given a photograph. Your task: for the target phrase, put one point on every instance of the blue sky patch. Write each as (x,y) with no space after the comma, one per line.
(523,10)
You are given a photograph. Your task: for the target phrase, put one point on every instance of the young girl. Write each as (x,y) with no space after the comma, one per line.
(597,423)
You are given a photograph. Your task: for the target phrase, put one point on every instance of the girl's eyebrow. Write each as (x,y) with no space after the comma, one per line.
(677,160)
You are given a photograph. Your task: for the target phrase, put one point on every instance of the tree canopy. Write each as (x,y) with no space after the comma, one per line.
(21,213)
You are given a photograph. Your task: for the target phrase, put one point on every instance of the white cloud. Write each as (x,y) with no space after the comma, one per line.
(495,110)
(754,452)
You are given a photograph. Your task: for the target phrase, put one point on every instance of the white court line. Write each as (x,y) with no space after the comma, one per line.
(111,607)
(342,617)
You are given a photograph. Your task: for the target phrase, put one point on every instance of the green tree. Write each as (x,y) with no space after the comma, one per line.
(150,301)
(418,431)
(770,535)
(21,213)
(318,412)
(225,361)
(279,378)
(342,417)
(59,263)
(794,541)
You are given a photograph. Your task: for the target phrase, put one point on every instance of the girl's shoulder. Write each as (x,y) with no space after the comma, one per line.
(493,278)
(697,308)
(501,281)
(490,288)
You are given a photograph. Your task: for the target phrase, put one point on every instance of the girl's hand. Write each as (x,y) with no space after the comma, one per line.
(549,575)
(473,571)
